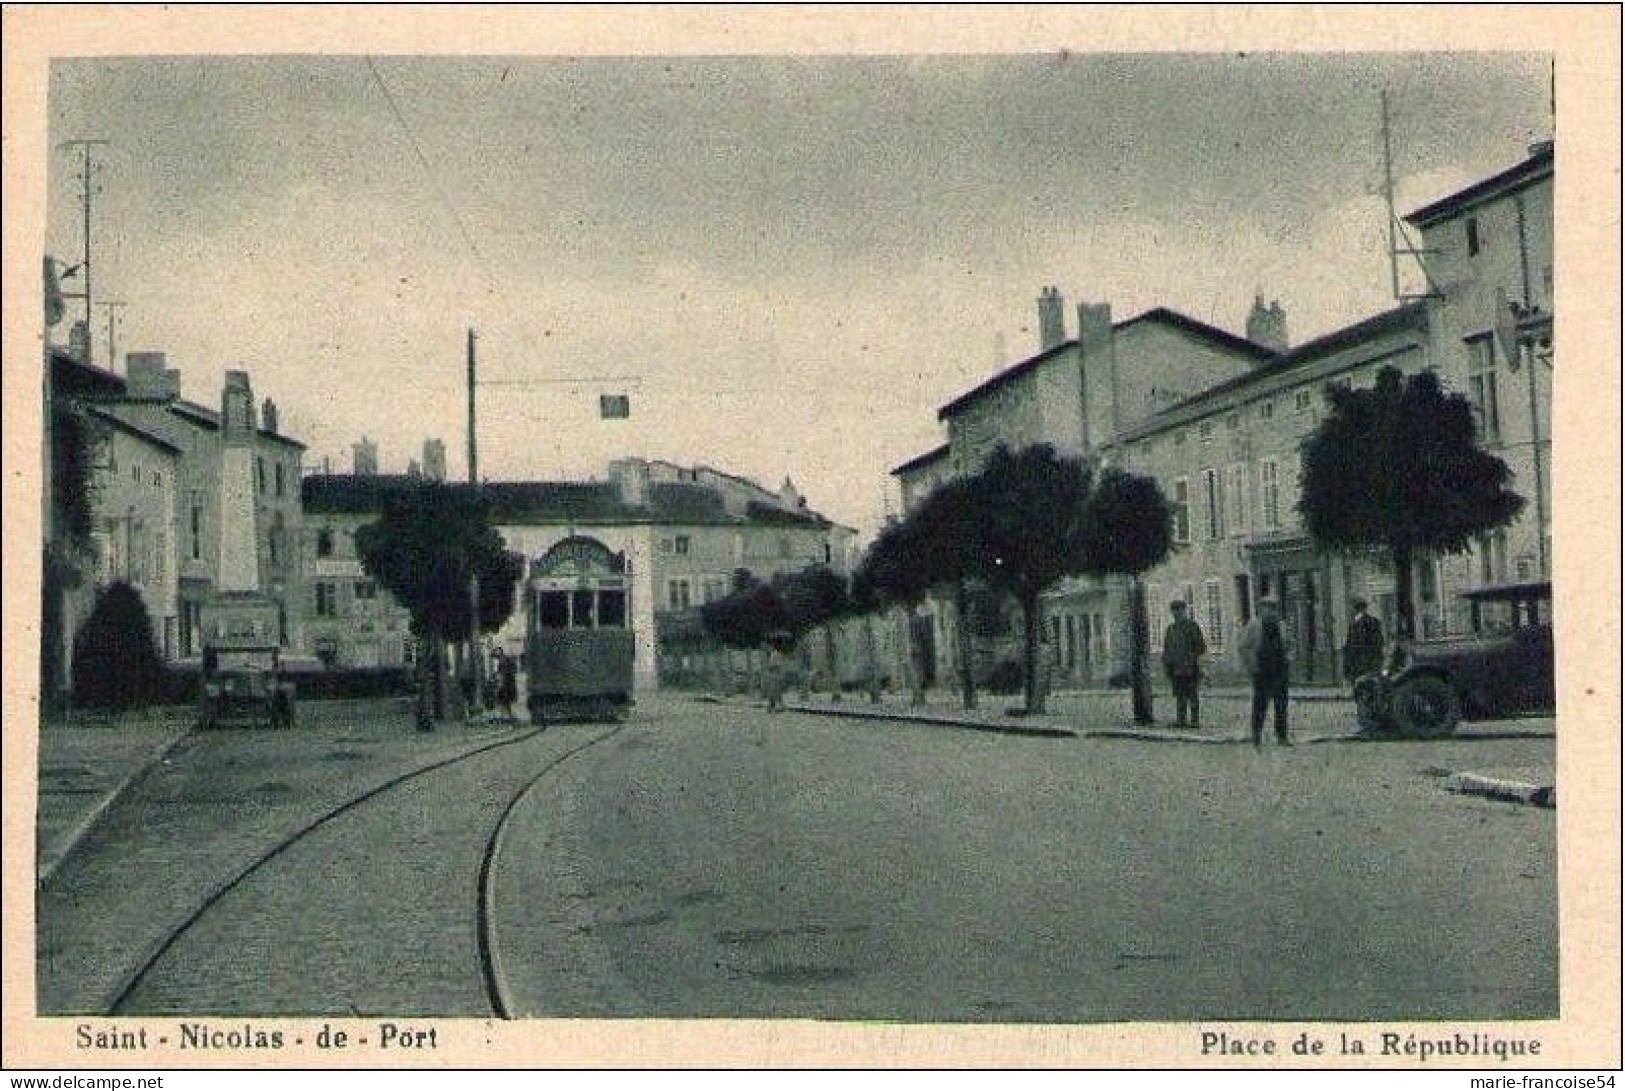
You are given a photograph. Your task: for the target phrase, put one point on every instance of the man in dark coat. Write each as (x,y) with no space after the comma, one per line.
(1264,654)
(1182,651)
(1362,650)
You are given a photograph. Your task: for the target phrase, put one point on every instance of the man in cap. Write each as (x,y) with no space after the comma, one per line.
(1182,651)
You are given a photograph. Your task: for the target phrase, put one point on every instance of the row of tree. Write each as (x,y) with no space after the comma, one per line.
(1025,521)
(1393,470)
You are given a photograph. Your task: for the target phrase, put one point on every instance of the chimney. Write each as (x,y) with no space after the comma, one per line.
(434,459)
(366,457)
(1051,319)
(413,469)
(1267,325)
(268,421)
(147,377)
(631,477)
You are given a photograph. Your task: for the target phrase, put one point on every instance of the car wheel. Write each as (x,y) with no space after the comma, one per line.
(1426,707)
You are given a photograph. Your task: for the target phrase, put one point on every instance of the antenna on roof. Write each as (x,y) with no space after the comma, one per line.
(1396,229)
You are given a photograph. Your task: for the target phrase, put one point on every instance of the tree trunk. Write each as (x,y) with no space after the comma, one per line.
(1139,683)
(967,673)
(869,654)
(1034,696)
(1405,624)
(916,676)
(829,661)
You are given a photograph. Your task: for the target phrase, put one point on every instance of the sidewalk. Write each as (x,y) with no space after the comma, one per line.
(83,768)
(1316,717)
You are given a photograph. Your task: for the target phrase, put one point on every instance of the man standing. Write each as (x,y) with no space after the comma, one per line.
(1362,650)
(1263,653)
(1182,651)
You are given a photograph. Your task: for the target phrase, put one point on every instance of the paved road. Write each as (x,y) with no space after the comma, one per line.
(708,860)
(715,861)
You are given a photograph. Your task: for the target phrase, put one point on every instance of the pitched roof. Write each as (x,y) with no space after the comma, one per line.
(1201,330)
(71,377)
(1407,316)
(522,503)
(210,418)
(936,454)
(135,428)
(1537,166)
(1163,315)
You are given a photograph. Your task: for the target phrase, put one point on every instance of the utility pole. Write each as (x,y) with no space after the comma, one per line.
(112,306)
(1399,242)
(86,197)
(476,661)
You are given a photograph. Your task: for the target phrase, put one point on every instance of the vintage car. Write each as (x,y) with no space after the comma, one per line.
(1504,668)
(244,677)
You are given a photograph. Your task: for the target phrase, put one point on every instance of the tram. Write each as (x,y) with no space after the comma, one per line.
(578,634)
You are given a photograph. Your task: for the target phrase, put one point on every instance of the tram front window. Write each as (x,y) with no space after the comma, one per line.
(581,610)
(553,610)
(612,609)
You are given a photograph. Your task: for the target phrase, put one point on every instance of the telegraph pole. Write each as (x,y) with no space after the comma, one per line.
(86,197)
(476,660)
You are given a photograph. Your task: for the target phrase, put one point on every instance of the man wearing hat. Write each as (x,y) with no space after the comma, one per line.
(1362,650)
(1182,651)
(1264,654)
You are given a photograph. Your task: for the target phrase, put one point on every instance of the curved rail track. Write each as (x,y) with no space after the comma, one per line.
(489,969)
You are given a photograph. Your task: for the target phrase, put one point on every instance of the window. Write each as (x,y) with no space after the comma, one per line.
(327,599)
(1236,494)
(324,542)
(1233,421)
(1270,494)
(1473,241)
(197,531)
(784,546)
(1301,400)
(1213,503)
(365,590)
(1481,386)
(259,472)
(714,588)
(279,481)
(612,609)
(1179,438)
(665,545)
(1182,510)
(1266,410)
(553,609)
(1204,431)
(680,545)
(1214,614)
(828,553)
(677,594)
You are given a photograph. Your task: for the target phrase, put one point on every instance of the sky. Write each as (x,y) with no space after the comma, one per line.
(788,263)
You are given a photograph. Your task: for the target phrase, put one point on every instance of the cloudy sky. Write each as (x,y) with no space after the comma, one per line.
(789,263)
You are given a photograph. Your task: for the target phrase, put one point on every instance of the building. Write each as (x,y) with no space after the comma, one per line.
(1228,461)
(685,533)
(1080,396)
(1487,250)
(163,517)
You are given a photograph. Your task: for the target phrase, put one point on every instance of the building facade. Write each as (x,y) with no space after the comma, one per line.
(1228,460)
(1488,254)
(684,532)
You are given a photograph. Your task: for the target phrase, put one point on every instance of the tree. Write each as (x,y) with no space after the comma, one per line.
(950,526)
(1034,504)
(116,664)
(1398,468)
(815,598)
(1128,530)
(426,547)
(894,572)
(748,616)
